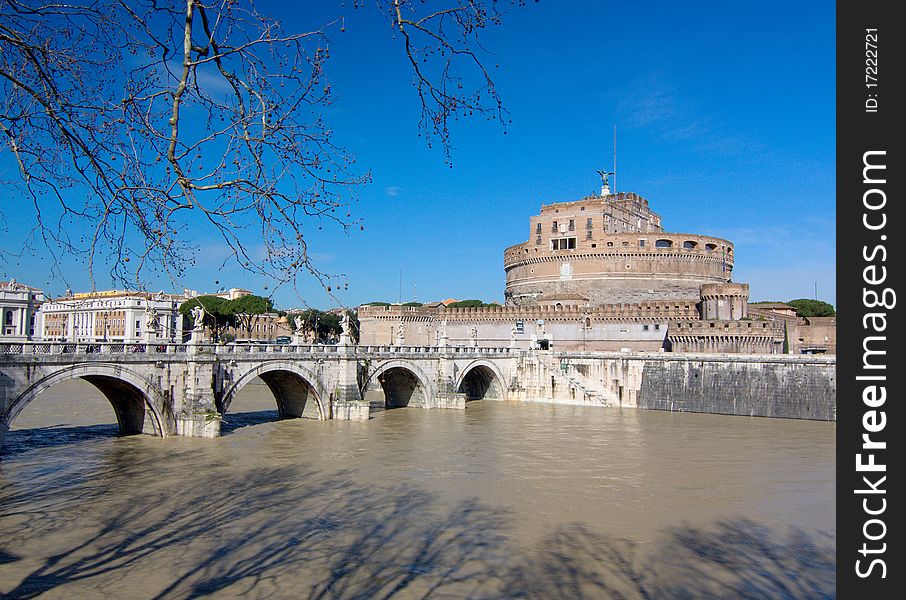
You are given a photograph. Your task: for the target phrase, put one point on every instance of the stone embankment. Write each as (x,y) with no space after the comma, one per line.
(787,386)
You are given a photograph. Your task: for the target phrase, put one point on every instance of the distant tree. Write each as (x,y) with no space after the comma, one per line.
(415,304)
(812,308)
(136,125)
(377,304)
(247,311)
(329,327)
(309,320)
(470,304)
(320,324)
(216,315)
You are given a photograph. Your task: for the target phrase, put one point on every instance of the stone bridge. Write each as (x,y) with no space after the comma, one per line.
(183,389)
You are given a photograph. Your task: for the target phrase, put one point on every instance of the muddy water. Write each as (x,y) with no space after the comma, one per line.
(497,501)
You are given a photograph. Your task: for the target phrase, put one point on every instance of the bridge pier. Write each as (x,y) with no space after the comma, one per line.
(346,402)
(194,407)
(447,395)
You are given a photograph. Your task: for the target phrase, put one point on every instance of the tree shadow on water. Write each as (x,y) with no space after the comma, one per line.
(277,532)
(233,421)
(731,559)
(295,532)
(18,441)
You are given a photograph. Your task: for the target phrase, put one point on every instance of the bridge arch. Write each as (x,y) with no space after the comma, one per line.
(297,390)
(480,379)
(403,383)
(137,403)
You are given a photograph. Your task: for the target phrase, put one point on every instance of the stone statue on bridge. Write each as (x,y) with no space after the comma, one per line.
(344,323)
(198,317)
(152,319)
(345,329)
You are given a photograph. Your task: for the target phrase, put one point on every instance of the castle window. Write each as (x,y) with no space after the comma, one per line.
(689,244)
(657,326)
(610,244)
(663,244)
(554,227)
(538,228)
(588,235)
(641,243)
(588,223)
(563,243)
(572,225)
(710,247)
(538,240)
(644,328)
(594,245)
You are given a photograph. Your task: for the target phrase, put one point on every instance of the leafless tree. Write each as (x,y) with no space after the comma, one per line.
(141,126)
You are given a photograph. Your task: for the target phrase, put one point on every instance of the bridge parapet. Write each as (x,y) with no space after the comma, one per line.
(439,350)
(96,348)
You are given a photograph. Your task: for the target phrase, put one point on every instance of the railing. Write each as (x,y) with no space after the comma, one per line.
(434,349)
(145,348)
(47,348)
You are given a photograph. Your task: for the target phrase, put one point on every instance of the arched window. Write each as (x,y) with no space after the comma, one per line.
(690,244)
(663,244)
(710,247)
(8,318)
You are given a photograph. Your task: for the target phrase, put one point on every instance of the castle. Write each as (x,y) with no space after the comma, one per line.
(602,273)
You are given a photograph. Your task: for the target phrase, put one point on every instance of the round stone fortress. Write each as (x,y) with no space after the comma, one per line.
(610,249)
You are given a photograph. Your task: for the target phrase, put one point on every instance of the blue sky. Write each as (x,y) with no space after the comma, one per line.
(725,116)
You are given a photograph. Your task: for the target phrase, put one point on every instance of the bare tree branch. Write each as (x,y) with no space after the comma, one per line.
(142,126)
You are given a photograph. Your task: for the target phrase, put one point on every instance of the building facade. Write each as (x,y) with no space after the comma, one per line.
(20,316)
(607,327)
(114,316)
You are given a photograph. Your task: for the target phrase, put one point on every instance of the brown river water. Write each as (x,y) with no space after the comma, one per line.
(502,500)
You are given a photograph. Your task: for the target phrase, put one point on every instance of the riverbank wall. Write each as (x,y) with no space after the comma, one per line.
(783,386)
